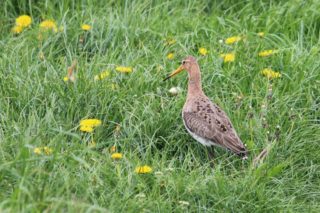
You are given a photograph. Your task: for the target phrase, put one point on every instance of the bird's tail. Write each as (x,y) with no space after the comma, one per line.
(236,146)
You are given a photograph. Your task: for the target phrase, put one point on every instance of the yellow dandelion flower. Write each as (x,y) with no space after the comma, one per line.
(170,56)
(203,51)
(232,39)
(113,149)
(86,129)
(37,150)
(170,41)
(228,57)
(124,69)
(16,29)
(143,169)
(86,27)
(90,122)
(270,74)
(261,34)
(65,79)
(102,75)
(116,156)
(47,150)
(266,53)
(23,21)
(88,125)
(49,25)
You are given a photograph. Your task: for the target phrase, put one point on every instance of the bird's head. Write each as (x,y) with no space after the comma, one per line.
(187,64)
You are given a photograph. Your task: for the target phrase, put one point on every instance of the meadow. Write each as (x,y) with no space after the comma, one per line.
(68,61)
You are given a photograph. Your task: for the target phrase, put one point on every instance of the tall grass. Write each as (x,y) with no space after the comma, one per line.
(37,108)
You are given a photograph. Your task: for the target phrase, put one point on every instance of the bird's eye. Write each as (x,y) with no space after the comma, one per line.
(183,62)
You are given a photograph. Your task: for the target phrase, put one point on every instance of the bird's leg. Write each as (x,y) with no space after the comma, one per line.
(211,155)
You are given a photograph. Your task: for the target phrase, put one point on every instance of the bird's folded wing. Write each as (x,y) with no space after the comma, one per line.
(215,127)
(197,125)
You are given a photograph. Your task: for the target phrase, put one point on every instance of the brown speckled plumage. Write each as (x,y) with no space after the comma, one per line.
(203,119)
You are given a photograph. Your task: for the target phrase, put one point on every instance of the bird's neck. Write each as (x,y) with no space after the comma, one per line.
(194,84)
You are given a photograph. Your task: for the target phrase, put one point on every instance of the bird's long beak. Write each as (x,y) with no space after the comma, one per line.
(181,68)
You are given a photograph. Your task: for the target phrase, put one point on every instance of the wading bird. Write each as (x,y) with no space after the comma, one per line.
(203,119)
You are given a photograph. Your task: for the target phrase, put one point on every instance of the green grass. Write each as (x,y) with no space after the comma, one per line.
(37,108)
